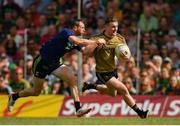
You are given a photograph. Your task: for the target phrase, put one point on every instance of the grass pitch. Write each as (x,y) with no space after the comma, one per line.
(89,121)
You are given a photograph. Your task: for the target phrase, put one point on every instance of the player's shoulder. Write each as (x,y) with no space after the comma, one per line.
(66,30)
(120,36)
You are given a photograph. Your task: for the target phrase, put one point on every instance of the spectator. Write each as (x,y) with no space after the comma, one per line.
(29,62)
(145,87)
(46,90)
(11,5)
(118,13)
(109,9)
(147,21)
(6,74)
(167,63)
(100,25)
(32,34)
(51,32)
(175,57)
(174,87)
(168,14)
(21,26)
(51,15)
(173,42)
(4,61)
(17,82)
(97,7)
(62,6)
(61,23)
(17,38)
(129,65)
(163,81)
(154,65)
(176,72)
(10,46)
(34,10)
(164,51)
(132,42)
(175,14)
(164,25)
(28,17)
(91,18)
(4,87)
(135,76)
(32,47)
(58,88)
(42,28)
(145,58)
(147,73)
(128,83)
(158,8)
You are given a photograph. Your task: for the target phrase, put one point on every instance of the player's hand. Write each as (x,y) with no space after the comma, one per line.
(101,41)
(125,55)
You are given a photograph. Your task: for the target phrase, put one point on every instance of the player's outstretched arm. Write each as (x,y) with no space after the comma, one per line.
(81,41)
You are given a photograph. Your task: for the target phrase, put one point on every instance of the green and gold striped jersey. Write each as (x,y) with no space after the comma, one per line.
(104,56)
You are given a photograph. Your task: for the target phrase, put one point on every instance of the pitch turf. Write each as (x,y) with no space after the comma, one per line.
(89,121)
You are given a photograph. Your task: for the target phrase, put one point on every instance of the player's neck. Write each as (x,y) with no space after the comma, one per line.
(107,34)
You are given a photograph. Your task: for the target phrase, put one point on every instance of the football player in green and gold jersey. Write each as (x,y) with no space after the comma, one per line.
(106,71)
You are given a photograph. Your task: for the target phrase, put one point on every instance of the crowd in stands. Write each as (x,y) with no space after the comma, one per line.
(158,71)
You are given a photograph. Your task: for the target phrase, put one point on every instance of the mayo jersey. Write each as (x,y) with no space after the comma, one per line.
(104,55)
(55,48)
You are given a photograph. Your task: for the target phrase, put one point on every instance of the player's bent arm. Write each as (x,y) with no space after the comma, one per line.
(80,41)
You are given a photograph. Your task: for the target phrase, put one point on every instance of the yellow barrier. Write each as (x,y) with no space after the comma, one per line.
(41,106)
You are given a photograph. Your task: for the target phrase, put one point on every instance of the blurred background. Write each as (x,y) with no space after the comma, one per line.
(152,32)
(151,29)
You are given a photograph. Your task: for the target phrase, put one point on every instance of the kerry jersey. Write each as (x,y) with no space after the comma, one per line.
(104,56)
(55,48)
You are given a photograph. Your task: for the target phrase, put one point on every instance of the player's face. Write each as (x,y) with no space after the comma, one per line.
(81,28)
(112,28)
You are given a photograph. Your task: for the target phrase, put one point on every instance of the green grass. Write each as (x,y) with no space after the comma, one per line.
(89,121)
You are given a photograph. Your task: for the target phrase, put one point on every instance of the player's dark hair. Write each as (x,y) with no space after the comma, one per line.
(111,19)
(76,22)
